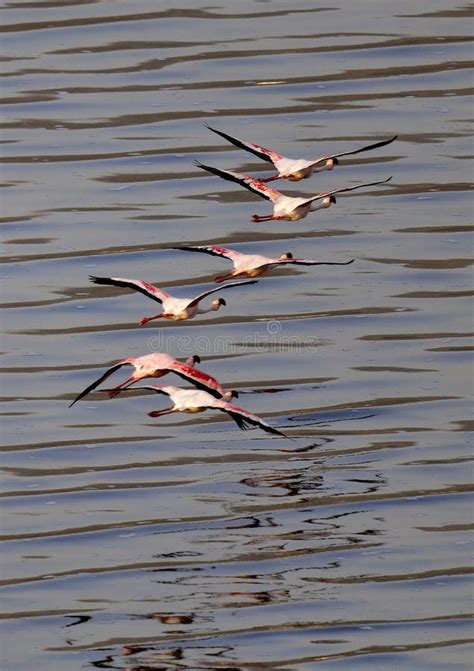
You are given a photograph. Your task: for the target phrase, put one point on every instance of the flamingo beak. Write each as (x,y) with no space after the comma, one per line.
(335,161)
(196,358)
(222,301)
(288,255)
(332,199)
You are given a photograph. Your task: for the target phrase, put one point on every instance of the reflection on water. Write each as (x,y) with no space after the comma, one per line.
(182,543)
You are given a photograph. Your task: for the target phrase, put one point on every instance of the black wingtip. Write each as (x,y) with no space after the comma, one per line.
(276,432)
(203,166)
(78,398)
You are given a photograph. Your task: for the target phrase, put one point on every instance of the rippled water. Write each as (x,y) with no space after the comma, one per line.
(183,543)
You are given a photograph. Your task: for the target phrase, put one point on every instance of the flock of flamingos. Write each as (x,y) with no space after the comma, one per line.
(208,393)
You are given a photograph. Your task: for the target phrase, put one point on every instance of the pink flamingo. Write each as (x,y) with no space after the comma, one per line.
(284,207)
(157,365)
(176,309)
(192,401)
(295,169)
(253,265)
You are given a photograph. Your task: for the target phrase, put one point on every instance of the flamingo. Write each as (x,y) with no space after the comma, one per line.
(176,309)
(193,400)
(284,207)
(295,169)
(253,265)
(158,364)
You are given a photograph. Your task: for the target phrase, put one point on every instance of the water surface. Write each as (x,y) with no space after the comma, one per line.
(183,543)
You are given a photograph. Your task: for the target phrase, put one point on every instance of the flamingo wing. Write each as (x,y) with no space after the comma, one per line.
(198,378)
(213,250)
(367,147)
(143,287)
(257,150)
(103,377)
(253,185)
(245,419)
(196,300)
(342,190)
(308,262)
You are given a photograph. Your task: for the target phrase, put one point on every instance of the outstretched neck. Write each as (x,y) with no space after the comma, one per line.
(321,204)
(215,305)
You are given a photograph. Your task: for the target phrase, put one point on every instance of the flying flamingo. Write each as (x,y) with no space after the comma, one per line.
(192,401)
(295,169)
(157,365)
(176,309)
(253,265)
(284,207)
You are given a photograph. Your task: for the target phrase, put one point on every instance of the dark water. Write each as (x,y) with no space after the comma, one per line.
(183,543)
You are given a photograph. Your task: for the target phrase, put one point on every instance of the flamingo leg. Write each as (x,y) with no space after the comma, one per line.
(257,218)
(116,391)
(221,278)
(159,413)
(144,320)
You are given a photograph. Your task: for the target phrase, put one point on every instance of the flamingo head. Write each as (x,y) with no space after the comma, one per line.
(287,255)
(323,204)
(215,305)
(331,163)
(193,360)
(327,202)
(229,395)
